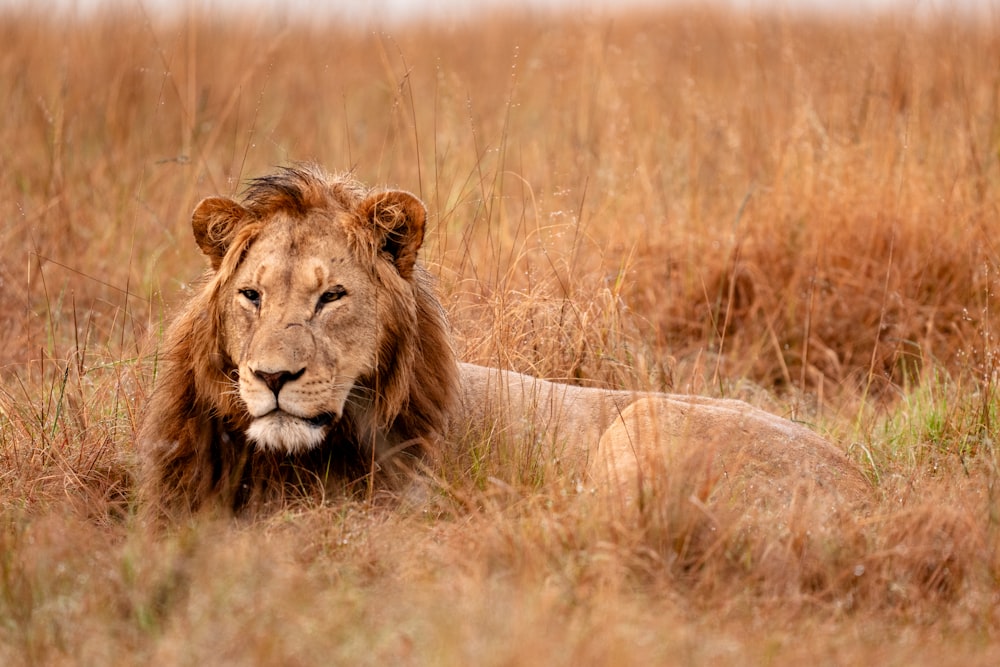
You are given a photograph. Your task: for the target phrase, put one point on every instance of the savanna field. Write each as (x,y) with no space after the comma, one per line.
(799,212)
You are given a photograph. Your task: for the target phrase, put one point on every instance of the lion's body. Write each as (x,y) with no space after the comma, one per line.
(316,353)
(617,438)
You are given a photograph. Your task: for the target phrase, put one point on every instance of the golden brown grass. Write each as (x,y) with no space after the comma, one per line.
(798,212)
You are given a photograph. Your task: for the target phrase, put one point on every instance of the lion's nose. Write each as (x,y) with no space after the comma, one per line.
(275,381)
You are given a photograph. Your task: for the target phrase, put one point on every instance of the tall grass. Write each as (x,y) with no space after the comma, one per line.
(798,212)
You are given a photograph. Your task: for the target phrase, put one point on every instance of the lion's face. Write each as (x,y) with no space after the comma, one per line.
(309,302)
(298,323)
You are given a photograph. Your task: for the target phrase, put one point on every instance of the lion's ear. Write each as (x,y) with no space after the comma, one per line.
(214,222)
(397,218)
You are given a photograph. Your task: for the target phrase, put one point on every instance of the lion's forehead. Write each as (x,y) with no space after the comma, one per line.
(304,273)
(297,259)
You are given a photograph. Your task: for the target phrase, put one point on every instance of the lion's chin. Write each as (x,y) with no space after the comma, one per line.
(282,432)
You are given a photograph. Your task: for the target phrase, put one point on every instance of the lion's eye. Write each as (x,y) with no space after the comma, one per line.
(333,294)
(251,295)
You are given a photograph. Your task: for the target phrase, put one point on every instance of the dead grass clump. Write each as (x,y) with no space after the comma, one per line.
(872,303)
(60,429)
(927,555)
(915,561)
(581,337)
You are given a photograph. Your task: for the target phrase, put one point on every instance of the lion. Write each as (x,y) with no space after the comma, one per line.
(315,355)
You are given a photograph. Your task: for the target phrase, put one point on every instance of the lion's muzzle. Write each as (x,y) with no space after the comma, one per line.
(283,432)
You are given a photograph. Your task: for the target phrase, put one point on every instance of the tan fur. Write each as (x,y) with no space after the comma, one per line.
(316,354)
(739,454)
(621,441)
(377,373)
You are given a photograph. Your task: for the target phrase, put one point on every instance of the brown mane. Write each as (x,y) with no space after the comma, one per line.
(192,441)
(298,190)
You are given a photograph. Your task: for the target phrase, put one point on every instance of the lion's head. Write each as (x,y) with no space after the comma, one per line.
(315,342)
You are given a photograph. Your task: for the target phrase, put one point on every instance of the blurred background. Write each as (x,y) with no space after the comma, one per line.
(402,10)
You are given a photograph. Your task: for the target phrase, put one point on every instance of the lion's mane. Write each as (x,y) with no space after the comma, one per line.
(192,442)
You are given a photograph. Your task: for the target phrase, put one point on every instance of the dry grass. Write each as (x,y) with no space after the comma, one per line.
(802,213)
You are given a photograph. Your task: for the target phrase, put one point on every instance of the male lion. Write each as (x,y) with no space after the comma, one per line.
(315,352)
